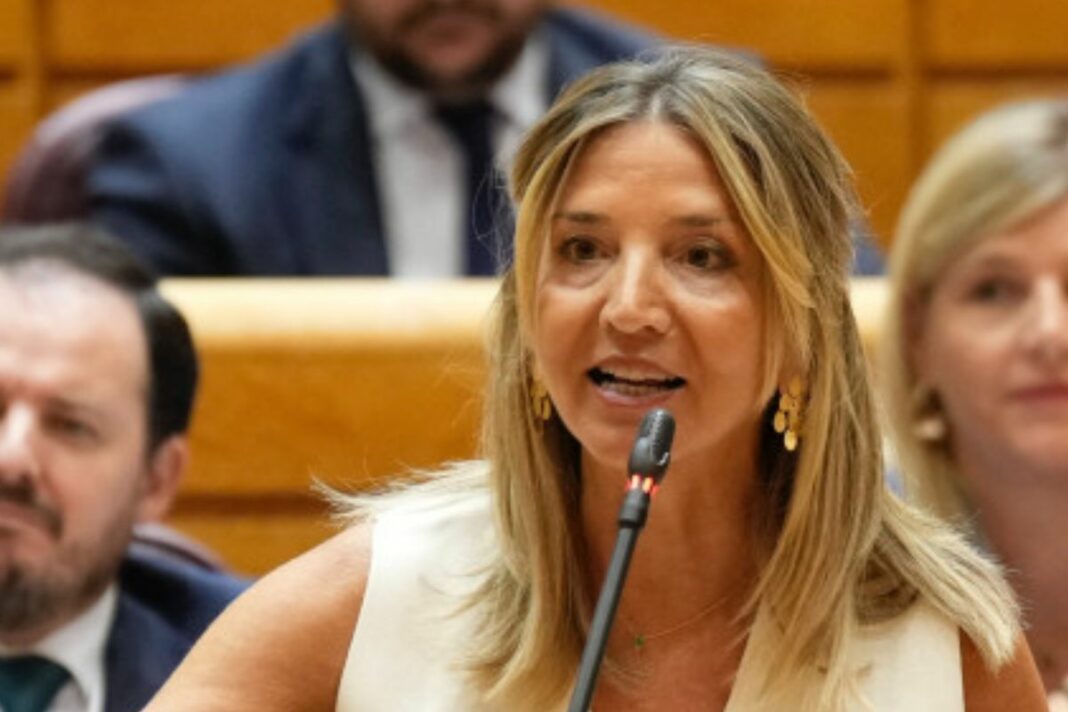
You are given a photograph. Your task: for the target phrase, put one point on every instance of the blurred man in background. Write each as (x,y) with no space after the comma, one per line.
(366,148)
(97,379)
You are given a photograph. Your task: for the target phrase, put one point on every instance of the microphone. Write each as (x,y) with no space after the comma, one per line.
(649,459)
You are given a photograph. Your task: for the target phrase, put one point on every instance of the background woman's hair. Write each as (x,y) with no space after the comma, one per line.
(1007,166)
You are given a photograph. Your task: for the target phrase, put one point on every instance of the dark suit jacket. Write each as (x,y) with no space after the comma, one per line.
(164,606)
(268,169)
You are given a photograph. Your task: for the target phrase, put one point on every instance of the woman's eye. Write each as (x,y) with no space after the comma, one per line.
(579,249)
(707,257)
(993,290)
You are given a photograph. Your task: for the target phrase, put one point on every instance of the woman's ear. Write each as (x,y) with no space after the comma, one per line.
(166,467)
(913,332)
(791,371)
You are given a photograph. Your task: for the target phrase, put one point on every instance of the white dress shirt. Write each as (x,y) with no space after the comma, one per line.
(420,172)
(79,647)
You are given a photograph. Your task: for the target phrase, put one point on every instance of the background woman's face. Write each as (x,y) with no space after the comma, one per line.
(994,346)
(649,293)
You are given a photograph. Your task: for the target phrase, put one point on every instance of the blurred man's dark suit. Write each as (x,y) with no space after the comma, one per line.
(164,605)
(268,169)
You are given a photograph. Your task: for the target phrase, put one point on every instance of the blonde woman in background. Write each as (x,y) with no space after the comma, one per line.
(976,353)
(682,242)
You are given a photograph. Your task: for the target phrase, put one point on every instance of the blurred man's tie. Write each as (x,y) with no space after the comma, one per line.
(487,213)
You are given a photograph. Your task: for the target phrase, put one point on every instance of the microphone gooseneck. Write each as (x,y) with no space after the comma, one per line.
(649,459)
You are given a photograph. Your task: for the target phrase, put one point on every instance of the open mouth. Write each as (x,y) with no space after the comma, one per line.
(632,384)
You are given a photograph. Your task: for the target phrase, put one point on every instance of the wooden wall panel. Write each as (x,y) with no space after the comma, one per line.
(254,539)
(995,35)
(145,36)
(15,34)
(893,55)
(16,38)
(837,34)
(950,105)
(19,77)
(869,124)
(17,117)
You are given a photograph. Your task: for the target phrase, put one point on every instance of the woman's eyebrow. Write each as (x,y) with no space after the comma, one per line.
(579,216)
(702,220)
(993,259)
(694,220)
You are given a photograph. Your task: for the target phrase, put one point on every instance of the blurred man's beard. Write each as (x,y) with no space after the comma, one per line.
(473,83)
(36,598)
(469,84)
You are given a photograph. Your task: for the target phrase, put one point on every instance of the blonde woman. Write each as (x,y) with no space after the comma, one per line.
(976,352)
(682,242)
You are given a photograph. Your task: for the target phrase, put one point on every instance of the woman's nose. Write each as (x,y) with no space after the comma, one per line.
(19,457)
(637,302)
(1047,329)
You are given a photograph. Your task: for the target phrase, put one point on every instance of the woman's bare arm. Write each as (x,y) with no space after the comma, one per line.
(1016,686)
(282,645)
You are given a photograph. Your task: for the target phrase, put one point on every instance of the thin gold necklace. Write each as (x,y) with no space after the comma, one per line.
(641,639)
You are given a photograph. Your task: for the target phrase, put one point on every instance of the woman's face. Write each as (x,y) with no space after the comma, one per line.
(994,346)
(649,294)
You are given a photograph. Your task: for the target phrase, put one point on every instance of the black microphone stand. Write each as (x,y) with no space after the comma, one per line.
(648,462)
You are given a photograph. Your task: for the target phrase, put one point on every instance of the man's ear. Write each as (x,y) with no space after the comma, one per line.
(166,467)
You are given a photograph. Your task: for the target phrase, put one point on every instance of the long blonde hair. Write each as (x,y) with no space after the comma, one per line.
(842,551)
(1005,167)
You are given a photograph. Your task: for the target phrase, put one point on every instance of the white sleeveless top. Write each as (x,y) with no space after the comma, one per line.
(404,651)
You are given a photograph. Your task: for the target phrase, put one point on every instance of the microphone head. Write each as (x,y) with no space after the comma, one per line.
(652,447)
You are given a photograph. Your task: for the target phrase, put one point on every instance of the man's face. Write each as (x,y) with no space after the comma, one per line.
(452,49)
(74,471)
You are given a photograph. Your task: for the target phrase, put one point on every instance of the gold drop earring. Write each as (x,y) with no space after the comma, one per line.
(789,417)
(540,402)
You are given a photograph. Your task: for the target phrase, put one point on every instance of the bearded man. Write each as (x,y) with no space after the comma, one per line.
(376,145)
(97,378)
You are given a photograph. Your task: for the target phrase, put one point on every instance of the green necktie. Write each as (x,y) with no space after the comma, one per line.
(29,682)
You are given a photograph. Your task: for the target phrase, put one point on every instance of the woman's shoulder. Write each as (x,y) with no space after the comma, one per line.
(1013,685)
(282,644)
(923,647)
(905,660)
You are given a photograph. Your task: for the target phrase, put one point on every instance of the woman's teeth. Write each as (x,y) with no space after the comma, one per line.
(633,384)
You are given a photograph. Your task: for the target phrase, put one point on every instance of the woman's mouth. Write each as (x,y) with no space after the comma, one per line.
(634,383)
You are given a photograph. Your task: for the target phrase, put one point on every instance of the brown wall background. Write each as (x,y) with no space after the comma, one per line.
(888,78)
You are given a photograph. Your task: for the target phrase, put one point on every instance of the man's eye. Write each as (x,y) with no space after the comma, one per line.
(579,249)
(73,428)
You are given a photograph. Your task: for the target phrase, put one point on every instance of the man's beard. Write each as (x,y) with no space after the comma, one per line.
(31,600)
(36,595)
(474,82)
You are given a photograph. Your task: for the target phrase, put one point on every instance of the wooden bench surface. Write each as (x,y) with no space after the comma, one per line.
(348,382)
